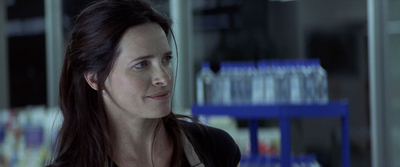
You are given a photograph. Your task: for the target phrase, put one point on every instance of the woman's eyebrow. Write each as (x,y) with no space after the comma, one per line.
(142,58)
(148,57)
(168,53)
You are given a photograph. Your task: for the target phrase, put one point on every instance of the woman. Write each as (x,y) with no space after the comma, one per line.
(115,95)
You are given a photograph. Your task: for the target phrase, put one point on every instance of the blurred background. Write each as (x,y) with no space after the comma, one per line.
(356,41)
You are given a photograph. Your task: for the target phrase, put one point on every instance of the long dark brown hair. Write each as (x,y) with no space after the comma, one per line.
(84,137)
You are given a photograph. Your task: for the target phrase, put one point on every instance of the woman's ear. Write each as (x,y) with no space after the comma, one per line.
(91,79)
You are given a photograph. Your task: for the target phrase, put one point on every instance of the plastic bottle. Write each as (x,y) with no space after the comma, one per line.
(238,85)
(257,85)
(292,82)
(204,79)
(236,77)
(281,88)
(308,81)
(321,82)
(268,79)
(271,86)
(285,81)
(246,74)
(240,75)
(297,77)
(222,85)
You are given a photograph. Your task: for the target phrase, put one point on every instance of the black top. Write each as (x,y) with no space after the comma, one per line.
(215,147)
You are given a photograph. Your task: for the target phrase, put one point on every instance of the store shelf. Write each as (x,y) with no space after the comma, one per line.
(284,113)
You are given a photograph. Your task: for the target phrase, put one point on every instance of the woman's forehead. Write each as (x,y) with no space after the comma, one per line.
(143,40)
(145,31)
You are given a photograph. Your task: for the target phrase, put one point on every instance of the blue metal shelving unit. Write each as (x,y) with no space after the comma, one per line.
(284,113)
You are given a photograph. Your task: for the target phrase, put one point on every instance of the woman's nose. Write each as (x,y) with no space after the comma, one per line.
(161,76)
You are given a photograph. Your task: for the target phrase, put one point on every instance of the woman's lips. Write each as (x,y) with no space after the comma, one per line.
(160,96)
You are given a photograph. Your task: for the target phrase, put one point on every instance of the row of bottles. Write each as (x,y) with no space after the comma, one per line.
(274,161)
(264,82)
(27,135)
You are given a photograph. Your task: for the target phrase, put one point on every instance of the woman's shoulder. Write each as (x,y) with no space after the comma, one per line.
(217,143)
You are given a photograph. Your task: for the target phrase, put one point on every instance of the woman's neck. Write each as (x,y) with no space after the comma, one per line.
(140,142)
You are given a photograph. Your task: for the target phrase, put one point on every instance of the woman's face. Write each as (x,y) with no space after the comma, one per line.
(141,80)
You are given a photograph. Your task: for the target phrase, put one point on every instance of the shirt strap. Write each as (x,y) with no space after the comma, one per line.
(191,155)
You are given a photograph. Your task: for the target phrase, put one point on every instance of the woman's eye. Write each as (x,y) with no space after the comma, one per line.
(141,65)
(167,59)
